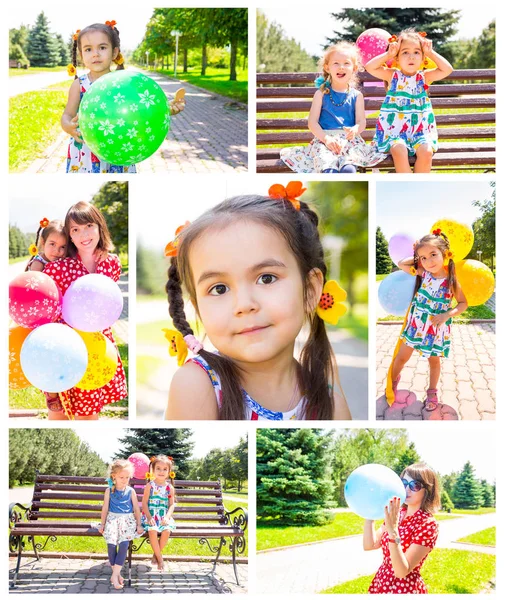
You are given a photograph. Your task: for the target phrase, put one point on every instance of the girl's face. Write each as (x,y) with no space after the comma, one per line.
(121,479)
(414,490)
(431,258)
(85,237)
(161,471)
(410,56)
(249,291)
(55,246)
(340,66)
(97,52)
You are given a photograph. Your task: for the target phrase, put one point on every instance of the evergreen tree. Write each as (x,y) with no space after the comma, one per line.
(43,49)
(383,262)
(240,457)
(293,479)
(482,54)
(446,502)
(176,443)
(487,494)
(467,491)
(63,50)
(408,457)
(20,36)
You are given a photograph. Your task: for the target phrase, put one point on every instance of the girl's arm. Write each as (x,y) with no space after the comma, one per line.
(105,510)
(315,111)
(191,395)
(145,501)
(69,119)
(461,306)
(36,266)
(171,507)
(406,265)
(360,118)
(371,536)
(341,411)
(444,67)
(376,66)
(136,510)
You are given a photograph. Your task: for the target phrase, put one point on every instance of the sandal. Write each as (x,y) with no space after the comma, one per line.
(431,400)
(53,402)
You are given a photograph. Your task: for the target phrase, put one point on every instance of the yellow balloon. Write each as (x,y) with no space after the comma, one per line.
(102,360)
(460,237)
(476,281)
(17,379)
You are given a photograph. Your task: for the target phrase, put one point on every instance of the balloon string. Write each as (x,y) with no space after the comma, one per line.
(65,402)
(390,394)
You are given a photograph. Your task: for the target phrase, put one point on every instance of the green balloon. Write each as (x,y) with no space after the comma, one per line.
(124,117)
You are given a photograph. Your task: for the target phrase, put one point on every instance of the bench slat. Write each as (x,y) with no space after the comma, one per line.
(216,532)
(134,481)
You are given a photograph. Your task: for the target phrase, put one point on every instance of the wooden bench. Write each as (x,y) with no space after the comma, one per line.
(67,506)
(463,89)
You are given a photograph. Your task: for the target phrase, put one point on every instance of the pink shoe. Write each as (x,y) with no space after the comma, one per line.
(53,402)
(431,400)
(395,385)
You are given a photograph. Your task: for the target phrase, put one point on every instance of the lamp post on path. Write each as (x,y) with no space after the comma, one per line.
(176,34)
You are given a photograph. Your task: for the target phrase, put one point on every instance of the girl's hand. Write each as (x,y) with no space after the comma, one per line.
(100,528)
(140,529)
(393,49)
(351,132)
(177,107)
(151,521)
(392,516)
(331,143)
(439,319)
(427,46)
(73,130)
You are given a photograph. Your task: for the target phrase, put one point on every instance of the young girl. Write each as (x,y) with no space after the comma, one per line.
(254,269)
(407,535)
(158,505)
(50,245)
(89,252)
(336,118)
(406,124)
(120,519)
(427,325)
(99,47)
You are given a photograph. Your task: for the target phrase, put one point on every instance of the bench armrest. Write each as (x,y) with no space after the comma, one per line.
(238,520)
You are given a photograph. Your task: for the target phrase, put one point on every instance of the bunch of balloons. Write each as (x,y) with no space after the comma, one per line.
(474,277)
(54,356)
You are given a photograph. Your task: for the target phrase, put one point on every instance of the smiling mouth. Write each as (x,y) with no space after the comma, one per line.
(86,243)
(340,75)
(250,330)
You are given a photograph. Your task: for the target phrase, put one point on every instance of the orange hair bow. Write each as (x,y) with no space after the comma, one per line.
(437,231)
(111,24)
(44,222)
(392,39)
(422,33)
(76,34)
(291,192)
(171,247)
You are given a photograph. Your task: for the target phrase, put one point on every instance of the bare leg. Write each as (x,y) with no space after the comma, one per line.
(424,158)
(400,156)
(153,538)
(434,362)
(86,417)
(116,570)
(404,353)
(164,539)
(57,415)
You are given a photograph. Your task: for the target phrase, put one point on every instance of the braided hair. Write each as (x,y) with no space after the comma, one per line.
(440,241)
(299,229)
(110,31)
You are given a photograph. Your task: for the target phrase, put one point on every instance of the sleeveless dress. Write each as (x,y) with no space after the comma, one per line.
(253,410)
(120,525)
(36,258)
(420,528)
(80,159)
(89,402)
(406,115)
(158,505)
(432,298)
(338,110)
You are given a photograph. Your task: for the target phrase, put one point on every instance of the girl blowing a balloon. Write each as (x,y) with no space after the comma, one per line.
(336,118)
(255,273)
(50,245)
(89,250)
(427,325)
(406,124)
(407,535)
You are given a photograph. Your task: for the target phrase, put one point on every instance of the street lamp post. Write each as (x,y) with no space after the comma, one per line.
(479,254)
(176,34)
(147,59)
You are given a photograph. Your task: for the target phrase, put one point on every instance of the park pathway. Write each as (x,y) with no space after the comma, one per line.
(21,84)
(325,564)
(209,136)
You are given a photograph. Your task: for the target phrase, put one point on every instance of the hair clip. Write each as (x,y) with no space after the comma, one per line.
(413,270)
(318,81)
(172,475)
(119,60)
(71,70)
(171,247)
(291,192)
(392,39)
(437,232)
(149,476)
(44,222)
(177,346)
(422,33)
(110,483)
(111,24)
(76,35)
(170,458)
(330,307)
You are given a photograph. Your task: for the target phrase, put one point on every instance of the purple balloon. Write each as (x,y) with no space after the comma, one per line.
(92,303)
(401,246)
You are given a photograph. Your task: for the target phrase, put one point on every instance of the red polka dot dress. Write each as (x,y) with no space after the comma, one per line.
(420,528)
(90,402)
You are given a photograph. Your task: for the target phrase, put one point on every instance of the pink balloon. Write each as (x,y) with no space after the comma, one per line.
(372,42)
(34,299)
(141,463)
(400,247)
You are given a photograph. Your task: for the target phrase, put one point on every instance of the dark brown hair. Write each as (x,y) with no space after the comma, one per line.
(82,213)
(55,226)
(299,230)
(426,475)
(442,243)
(166,460)
(111,32)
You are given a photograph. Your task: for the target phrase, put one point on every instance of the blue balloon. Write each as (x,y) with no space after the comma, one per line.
(54,357)
(369,489)
(396,291)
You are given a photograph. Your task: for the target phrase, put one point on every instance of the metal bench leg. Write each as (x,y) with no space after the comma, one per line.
(234,555)
(18,564)
(222,543)
(130,546)
(32,540)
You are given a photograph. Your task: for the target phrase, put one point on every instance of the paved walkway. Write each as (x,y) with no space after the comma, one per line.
(87,576)
(20,84)
(467,383)
(315,567)
(209,136)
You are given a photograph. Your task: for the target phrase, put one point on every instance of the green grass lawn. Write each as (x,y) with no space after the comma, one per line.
(147,365)
(476,511)
(215,80)
(35,70)
(486,537)
(19,259)
(446,516)
(381,277)
(357,323)
(444,572)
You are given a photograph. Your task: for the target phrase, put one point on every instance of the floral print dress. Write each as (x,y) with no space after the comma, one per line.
(432,298)
(420,528)
(89,402)
(158,505)
(80,159)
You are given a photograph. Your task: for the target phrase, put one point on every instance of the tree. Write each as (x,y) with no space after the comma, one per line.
(240,459)
(408,457)
(63,50)
(446,502)
(112,201)
(176,443)
(293,477)
(484,229)
(43,48)
(488,495)
(20,37)
(467,492)
(482,51)
(383,262)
